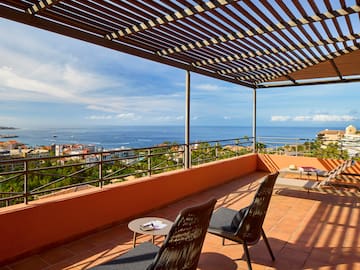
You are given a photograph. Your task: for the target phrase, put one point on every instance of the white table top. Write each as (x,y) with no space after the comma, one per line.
(134,225)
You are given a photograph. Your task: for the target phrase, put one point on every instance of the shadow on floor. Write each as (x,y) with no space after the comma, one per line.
(215,261)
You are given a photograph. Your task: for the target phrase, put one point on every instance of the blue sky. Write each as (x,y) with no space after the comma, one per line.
(47,80)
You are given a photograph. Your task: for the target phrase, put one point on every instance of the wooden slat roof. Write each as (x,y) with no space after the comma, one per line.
(254,43)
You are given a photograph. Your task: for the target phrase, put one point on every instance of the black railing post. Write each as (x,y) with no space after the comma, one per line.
(341,149)
(26,182)
(101,181)
(149,162)
(237,143)
(187,152)
(254,122)
(217,150)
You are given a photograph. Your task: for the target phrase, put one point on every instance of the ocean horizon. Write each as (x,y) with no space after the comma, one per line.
(112,137)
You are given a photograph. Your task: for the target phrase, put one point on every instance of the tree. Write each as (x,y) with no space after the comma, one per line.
(260,147)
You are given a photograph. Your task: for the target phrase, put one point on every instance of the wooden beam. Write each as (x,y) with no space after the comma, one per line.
(178,15)
(14,15)
(309,83)
(336,68)
(264,29)
(41,5)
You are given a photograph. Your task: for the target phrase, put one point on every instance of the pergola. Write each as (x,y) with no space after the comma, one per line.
(253,43)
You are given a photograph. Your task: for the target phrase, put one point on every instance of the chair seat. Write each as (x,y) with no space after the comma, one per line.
(180,250)
(220,223)
(138,258)
(245,225)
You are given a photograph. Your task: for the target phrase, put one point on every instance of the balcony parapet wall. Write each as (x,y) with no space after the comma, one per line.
(267,162)
(27,229)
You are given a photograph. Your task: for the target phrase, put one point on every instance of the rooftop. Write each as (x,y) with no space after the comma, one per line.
(313,230)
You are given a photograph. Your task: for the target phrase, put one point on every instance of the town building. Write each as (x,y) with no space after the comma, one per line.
(348,139)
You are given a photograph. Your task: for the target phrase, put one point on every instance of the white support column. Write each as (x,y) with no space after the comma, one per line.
(254,121)
(187,154)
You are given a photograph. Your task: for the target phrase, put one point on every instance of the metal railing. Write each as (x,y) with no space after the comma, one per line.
(203,152)
(321,148)
(30,178)
(284,146)
(33,177)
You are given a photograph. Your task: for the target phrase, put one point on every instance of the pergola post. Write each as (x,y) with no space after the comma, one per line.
(254,120)
(187,154)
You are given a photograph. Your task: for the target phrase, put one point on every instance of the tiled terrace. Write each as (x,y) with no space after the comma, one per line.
(306,231)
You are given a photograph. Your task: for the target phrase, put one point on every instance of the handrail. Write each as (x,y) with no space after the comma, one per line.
(30,177)
(78,170)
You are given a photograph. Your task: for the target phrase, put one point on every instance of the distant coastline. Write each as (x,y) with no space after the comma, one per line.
(9,128)
(114,137)
(8,136)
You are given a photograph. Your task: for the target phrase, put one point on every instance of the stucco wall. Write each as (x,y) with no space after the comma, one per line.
(28,228)
(276,162)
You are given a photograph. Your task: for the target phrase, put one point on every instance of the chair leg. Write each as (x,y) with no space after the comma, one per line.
(267,244)
(247,255)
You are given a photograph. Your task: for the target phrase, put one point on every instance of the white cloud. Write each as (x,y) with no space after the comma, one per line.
(302,118)
(5,119)
(212,87)
(127,116)
(334,118)
(71,86)
(42,67)
(39,73)
(103,108)
(133,117)
(53,69)
(10,79)
(168,119)
(315,118)
(62,80)
(99,117)
(207,87)
(280,118)
(84,80)
(227,117)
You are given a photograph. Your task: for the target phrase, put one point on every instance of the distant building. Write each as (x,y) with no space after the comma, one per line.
(348,139)
(351,140)
(12,148)
(58,150)
(330,136)
(73,149)
(350,130)
(4,153)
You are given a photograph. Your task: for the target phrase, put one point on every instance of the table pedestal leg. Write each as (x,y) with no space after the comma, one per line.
(134,239)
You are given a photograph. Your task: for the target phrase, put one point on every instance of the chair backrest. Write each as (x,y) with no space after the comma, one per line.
(249,228)
(182,246)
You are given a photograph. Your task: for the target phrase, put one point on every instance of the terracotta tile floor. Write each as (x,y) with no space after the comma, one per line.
(306,231)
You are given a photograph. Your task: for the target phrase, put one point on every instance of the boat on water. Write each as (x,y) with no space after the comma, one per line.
(8,136)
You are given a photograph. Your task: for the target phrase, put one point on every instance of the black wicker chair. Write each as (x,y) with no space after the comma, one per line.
(245,226)
(181,248)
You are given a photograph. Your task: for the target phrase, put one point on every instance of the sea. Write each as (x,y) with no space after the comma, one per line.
(114,137)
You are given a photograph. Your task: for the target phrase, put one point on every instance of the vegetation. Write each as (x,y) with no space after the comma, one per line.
(331,150)
(50,174)
(309,148)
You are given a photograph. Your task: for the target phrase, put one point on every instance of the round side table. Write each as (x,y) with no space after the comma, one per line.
(135,226)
